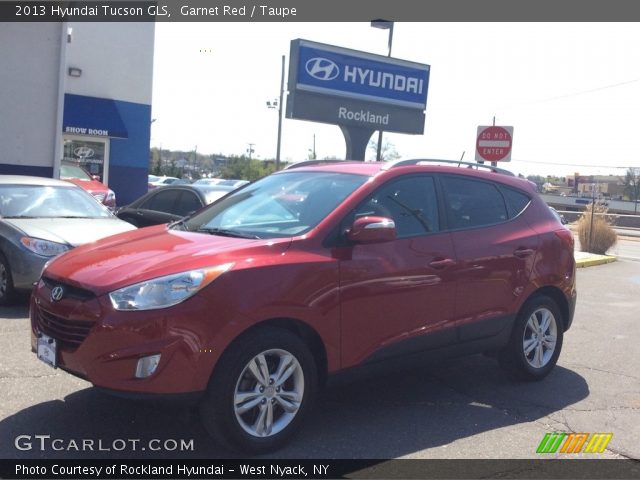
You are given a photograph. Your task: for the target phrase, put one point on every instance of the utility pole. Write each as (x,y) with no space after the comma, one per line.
(384,25)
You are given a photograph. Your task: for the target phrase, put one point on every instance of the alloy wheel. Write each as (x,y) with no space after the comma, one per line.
(540,337)
(268,393)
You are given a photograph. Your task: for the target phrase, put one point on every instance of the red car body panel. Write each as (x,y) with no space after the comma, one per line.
(358,299)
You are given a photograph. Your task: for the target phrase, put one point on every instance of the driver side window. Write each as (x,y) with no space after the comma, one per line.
(410,202)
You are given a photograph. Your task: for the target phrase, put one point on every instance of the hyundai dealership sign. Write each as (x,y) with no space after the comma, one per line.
(351,88)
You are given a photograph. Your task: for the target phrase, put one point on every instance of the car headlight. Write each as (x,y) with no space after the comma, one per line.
(163,292)
(111,196)
(44,247)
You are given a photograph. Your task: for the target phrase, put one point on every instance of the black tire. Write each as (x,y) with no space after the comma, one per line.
(533,365)
(7,291)
(218,409)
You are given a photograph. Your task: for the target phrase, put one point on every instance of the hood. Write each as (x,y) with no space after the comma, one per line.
(153,252)
(91,186)
(70,231)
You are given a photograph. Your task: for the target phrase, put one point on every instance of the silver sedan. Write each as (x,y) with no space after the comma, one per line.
(41,218)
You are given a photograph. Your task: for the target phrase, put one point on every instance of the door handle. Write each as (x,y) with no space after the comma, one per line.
(523,252)
(442,263)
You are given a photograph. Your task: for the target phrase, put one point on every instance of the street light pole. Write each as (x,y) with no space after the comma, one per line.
(385,25)
(280,116)
(277,105)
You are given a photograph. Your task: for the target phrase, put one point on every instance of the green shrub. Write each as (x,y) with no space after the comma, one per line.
(603,237)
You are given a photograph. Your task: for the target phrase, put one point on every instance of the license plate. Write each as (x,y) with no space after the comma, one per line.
(47,349)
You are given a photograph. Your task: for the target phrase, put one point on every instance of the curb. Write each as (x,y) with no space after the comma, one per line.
(593,260)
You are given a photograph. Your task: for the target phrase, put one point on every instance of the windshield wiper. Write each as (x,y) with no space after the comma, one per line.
(227,233)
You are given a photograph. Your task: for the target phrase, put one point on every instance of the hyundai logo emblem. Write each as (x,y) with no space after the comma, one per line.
(322,68)
(57,293)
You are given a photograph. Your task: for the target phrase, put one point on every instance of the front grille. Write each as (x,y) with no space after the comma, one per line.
(68,333)
(99,196)
(69,290)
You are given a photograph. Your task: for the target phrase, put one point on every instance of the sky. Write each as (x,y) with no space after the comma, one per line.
(571,91)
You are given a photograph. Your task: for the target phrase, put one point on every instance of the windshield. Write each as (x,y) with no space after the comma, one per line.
(29,201)
(281,205)
(73,171)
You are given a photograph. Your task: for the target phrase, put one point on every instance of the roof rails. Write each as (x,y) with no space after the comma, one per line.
(308,163)
(420,161)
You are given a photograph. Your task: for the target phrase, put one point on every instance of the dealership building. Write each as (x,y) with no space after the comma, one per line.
(78,92)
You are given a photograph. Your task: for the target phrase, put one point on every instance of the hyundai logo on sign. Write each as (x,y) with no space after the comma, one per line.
(349,73)
(322,69)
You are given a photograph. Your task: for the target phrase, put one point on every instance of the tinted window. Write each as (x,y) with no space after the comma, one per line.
(472,203)
(188,203)
(516,201)
(163,201)
(410,202)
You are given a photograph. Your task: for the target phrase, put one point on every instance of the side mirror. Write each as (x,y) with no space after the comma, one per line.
(372,230)
(95,177)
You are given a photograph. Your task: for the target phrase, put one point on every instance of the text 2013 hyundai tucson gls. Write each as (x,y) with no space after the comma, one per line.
(252,302)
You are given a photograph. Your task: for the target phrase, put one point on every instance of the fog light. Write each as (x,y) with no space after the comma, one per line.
(147,365)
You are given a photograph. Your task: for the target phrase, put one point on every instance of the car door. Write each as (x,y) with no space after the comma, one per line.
(398,296)
(495,249)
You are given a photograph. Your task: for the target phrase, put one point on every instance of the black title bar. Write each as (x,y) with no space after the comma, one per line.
(318,11)
(318,469)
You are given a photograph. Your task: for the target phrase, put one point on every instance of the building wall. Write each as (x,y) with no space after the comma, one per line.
(116,61)
(30,60)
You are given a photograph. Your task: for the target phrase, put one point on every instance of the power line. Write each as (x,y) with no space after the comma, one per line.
(584,92)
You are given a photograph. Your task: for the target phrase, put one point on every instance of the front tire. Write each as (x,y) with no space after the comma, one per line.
(536,340)
(260,391)
(7,291)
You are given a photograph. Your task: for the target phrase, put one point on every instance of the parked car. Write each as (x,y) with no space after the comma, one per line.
(41,218)
(230,182)
(77,175)
(251,303)
(161,181)
(170,203)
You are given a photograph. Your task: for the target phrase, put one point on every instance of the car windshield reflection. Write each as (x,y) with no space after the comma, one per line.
(287,204)
(32,201)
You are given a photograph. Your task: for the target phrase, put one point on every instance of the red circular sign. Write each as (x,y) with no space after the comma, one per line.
(493,144)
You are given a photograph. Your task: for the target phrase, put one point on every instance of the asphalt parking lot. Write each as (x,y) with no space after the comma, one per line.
(464,408)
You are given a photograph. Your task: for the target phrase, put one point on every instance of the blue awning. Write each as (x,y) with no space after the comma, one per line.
(92,116)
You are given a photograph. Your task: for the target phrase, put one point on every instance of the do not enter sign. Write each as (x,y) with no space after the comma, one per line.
(494,144)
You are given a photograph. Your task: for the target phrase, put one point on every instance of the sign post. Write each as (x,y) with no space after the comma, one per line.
(493,144)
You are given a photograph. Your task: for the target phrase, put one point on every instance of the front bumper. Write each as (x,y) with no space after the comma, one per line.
(103,346)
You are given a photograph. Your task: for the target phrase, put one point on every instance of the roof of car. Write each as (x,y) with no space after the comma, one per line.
(485,171)
(27,180)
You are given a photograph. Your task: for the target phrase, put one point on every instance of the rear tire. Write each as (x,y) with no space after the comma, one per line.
(7,292)
(536,340)
(260,391)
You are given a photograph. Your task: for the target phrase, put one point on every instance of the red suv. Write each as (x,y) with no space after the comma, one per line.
(251,303)
(74,173)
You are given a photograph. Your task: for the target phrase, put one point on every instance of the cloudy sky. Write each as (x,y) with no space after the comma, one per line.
(570,90)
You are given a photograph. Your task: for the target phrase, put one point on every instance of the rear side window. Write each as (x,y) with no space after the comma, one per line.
(163,201)
(188,203)
(516,201)
(473,203)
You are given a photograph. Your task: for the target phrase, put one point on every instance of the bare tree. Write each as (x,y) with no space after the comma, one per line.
(388,151)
